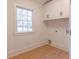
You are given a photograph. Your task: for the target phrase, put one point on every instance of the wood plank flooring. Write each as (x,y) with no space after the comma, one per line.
(44,52)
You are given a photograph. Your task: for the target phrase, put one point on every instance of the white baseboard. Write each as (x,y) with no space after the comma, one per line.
(59,47)
(38,44)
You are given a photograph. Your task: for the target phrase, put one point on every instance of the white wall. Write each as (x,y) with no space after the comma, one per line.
(40,34)
(26,41)
(59,39)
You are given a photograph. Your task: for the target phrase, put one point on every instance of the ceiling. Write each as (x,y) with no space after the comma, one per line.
(43,1)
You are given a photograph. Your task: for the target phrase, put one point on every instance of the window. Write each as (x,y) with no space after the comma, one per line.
(24,19)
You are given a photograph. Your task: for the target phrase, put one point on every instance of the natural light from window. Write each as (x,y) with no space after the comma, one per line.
(24,19)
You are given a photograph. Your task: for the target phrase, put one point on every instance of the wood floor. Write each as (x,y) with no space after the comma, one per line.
(44,52)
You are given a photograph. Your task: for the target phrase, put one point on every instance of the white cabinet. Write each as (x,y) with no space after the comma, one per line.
(57,9)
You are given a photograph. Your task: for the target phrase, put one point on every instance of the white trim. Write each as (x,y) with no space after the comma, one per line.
(21,33)
(37,45)
(62,48)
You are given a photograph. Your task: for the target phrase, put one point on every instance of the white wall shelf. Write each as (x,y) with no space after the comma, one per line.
(57,19)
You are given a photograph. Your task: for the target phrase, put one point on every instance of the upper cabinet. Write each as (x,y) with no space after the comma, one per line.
(57,9)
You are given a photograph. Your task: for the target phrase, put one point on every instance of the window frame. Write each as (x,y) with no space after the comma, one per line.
(17,6)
